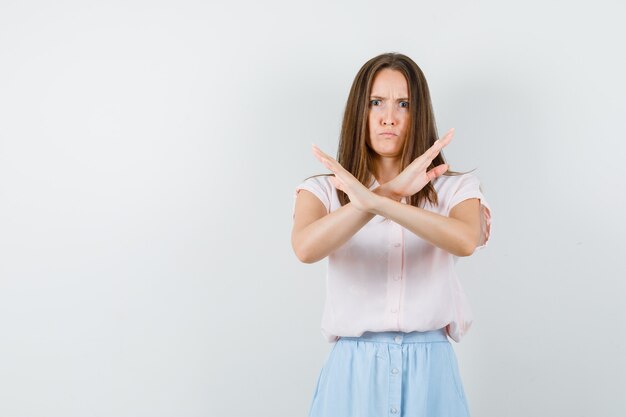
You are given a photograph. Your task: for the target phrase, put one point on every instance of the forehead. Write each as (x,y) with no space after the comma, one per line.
(390,81)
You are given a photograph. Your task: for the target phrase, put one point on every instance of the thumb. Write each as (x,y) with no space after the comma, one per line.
(436,171)
(441,169)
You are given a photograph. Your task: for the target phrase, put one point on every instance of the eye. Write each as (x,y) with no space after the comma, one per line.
(375,102)
(404,104)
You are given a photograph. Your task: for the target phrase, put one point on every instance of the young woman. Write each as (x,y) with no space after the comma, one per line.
(392,220)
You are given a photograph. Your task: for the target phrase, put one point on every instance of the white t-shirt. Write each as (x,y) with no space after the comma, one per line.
(386,278)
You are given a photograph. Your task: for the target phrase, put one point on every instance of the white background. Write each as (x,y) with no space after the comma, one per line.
(149,153)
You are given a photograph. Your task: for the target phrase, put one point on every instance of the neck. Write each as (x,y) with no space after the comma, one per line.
(386,169)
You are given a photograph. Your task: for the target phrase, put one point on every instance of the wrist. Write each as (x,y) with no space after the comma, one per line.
(383,191)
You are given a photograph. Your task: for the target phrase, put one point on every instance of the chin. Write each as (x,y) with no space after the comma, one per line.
(387,148)
(389,154)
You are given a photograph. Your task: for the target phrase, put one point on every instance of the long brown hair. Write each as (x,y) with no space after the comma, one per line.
(353,152)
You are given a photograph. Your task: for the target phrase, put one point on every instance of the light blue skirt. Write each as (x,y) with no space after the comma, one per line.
(392,374)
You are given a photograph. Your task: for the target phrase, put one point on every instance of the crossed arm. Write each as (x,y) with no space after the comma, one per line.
(458,233)
(316,234)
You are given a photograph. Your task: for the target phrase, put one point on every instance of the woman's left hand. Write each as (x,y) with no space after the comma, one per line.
(360,196)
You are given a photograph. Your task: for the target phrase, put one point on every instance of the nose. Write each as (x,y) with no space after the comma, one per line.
(389,117)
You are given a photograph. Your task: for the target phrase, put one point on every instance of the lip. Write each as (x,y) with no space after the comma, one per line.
(388,134)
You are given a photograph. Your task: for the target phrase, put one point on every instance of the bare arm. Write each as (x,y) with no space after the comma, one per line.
(458,234)
(316,234)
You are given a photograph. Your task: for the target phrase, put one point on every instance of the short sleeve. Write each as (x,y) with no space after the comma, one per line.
(319,187)
(469,187)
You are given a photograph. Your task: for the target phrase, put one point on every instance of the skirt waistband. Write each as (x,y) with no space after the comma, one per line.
(398,338)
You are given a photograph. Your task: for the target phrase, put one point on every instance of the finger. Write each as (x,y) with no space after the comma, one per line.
(439,144)
(448,135)
(445,140)
(441,169)
(322,157)
(320,154)
(333,167)
(437,171)
(327,160)
(427,157)
(316,152)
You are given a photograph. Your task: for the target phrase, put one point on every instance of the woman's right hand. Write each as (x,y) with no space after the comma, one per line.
(414,177)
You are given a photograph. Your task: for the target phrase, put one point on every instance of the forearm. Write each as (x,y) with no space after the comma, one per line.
(325,235)
(444,232)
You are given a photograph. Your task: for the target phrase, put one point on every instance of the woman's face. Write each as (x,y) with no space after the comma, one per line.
(389,115)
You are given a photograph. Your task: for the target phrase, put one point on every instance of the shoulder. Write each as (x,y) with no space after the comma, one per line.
(321,187)
(320,179)
(318,182)
(453,189)
(452,183)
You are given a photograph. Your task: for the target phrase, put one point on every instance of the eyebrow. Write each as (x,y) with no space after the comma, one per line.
(385,98)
